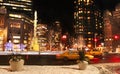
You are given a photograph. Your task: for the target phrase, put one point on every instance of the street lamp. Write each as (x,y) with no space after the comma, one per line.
(95,39)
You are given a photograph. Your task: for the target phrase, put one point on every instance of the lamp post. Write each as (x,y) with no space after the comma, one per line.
(95,39)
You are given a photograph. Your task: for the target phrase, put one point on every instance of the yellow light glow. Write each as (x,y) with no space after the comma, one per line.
(17,37)
(15,15)
(89,45)
(16,41)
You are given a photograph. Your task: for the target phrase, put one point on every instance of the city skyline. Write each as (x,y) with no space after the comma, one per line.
(62,10)
(49,11)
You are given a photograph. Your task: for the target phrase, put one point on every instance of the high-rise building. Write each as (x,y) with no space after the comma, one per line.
(18,6)
(111,29)
(116,27)
(88,22)
(108,37)
(19,23)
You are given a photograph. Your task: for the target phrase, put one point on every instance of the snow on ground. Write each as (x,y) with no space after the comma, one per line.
(108,68)
(35,69)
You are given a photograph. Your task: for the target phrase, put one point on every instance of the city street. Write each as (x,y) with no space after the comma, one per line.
(41,57)
(108,58)
(109,63)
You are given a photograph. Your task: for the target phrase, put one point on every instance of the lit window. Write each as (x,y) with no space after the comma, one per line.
(89,32)
(27,9)
(88,17)
(16,41)
(15,25)
(24,26)
(88,1)
(89,39)
(25,41)
(15,15)
(14,8)
(16,37)
(26,0)
(88,11)
(80,17)
(100,26)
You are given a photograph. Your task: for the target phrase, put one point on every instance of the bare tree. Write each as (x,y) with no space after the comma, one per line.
(50,38)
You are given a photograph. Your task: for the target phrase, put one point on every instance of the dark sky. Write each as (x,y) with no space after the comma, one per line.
(107,4)
(62,10)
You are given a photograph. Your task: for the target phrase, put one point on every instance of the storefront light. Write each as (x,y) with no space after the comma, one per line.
(16,37)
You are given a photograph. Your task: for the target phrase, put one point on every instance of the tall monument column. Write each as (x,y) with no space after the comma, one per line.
(35,44)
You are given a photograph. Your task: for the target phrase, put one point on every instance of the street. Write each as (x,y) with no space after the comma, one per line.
(108,61)
(44,57)
(107,58)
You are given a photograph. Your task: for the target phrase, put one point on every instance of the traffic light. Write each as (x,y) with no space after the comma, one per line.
(116,37)
(64,36)
(95,39)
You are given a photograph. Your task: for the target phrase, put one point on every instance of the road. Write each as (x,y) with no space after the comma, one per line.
(48,58)
(35,58)
(107,58)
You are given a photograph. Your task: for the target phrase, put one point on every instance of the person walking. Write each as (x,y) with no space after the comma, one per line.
(9,46)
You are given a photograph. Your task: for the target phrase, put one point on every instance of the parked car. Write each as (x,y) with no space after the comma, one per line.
(72,55)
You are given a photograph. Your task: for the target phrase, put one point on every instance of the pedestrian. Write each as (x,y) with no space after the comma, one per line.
(9,46)
(81,53)
(22,46)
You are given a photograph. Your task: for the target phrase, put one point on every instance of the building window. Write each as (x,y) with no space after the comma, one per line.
(24,26)
(15,25)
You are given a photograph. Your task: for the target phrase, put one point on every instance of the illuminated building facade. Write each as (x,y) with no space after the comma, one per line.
(108,37)
(116,27)
(88,22)
(19,21)
(41,35)
(111,28)
(3,31)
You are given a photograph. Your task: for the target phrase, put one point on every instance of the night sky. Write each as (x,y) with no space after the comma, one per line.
(62,10)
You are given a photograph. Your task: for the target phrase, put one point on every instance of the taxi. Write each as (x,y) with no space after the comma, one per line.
(72,55)
(95,52)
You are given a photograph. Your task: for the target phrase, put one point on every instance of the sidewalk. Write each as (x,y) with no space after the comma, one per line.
(35,69)
(108,68)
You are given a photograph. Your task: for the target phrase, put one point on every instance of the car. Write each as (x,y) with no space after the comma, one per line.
(72,55)
(95,52)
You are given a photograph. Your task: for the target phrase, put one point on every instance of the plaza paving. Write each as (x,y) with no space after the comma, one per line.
(104,68)
(108,68)
(35,69)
